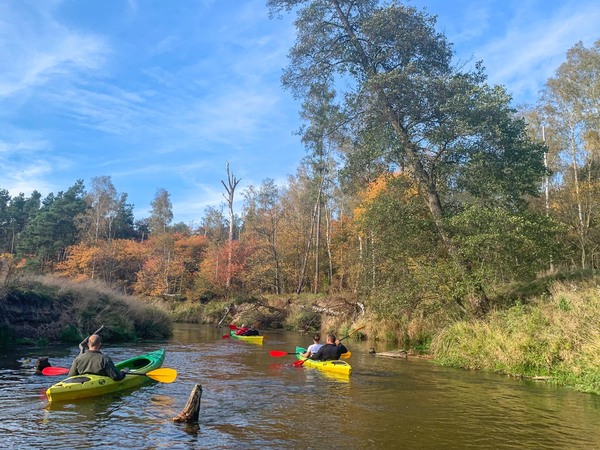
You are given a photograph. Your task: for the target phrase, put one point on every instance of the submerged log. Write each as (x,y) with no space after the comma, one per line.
(191,412)
(393,354)
(41,364)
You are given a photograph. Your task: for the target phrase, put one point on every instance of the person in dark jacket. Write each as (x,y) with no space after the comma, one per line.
(252,331)
(94,362)
(332,350)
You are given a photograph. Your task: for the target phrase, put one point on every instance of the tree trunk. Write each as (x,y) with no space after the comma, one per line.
(318,238)
(306,253)
(580,222)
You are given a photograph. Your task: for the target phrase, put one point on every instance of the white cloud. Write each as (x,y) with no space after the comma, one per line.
(35,50)
(26,167)
(532,47)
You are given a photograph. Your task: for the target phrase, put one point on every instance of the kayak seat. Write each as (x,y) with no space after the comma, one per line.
(77,380)
(140,363)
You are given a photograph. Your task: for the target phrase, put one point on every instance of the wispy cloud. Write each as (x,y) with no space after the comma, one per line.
(26,164)
(533,45)
(36,50)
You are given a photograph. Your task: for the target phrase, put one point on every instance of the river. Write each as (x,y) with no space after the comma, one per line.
(253,400)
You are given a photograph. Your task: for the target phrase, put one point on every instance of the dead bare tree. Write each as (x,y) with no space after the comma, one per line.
(232,183)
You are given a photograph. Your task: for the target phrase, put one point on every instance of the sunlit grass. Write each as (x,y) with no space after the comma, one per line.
(554,336)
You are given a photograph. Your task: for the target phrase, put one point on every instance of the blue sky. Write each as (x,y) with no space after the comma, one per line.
(161,94)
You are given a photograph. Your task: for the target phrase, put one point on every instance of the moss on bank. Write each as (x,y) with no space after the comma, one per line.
(45,309)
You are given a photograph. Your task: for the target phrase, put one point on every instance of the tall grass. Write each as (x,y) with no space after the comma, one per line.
(73,310)
(555,336)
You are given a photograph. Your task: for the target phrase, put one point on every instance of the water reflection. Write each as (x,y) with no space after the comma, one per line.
(252,399)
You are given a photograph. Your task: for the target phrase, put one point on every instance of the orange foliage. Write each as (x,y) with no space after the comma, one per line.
(116,261)
(381,186)
(79,261)
(170,264)
(214,267)
(191,247)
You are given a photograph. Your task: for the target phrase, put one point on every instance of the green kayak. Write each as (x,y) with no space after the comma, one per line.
(81,386)
(336,366)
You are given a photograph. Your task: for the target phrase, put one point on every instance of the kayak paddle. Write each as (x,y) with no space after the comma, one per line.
(52,371)
(347,336)
(279,353)
(163,374)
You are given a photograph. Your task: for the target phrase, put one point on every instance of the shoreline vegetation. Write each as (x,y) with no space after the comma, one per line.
(549,333)
(38,310)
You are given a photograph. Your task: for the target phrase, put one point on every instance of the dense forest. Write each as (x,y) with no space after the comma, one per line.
(423,193)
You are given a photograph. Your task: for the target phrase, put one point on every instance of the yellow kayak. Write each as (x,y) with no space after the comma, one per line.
(335,366)
(253,339)
(81,386)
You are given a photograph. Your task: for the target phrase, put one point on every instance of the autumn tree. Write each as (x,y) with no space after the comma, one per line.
(262,214)
(162,212)
(116,262)
(321,136)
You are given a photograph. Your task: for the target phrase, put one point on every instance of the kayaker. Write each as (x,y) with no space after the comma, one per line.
(240,331)
(252,331)
(94,362)
(332,350)
(314,347)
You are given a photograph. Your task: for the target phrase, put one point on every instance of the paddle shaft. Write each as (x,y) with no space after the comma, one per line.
(358,329)
(82,343)
(162,374)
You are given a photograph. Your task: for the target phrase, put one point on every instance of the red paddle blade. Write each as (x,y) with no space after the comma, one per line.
(278,353)
(232,327)
(53,371)
(298,363)
(225,336)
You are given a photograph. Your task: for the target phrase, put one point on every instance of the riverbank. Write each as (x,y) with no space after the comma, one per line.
(553,338)
(39,310)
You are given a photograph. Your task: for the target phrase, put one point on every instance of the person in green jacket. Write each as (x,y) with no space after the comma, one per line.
(95,362)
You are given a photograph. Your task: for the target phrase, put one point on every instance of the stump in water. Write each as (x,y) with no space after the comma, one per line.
(41,364)
(191,412)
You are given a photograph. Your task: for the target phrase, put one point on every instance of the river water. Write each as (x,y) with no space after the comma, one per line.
(253,400)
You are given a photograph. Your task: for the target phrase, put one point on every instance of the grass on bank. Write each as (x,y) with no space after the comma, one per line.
(49,309)
(555,337)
